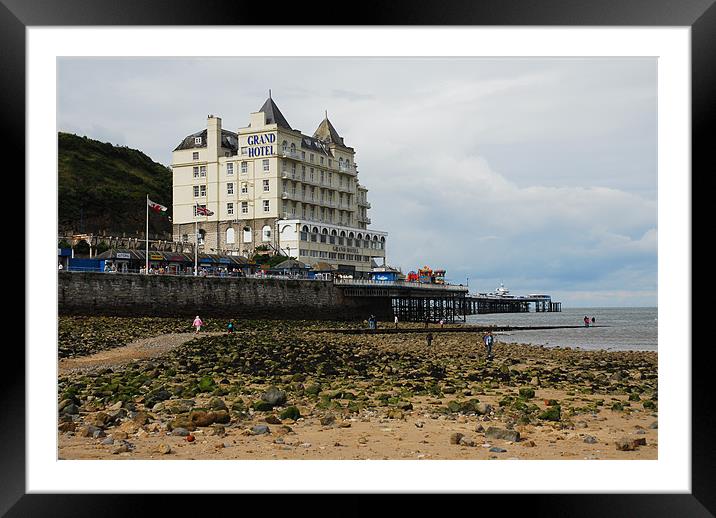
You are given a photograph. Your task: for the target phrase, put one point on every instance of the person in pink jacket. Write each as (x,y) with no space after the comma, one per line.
(197,323)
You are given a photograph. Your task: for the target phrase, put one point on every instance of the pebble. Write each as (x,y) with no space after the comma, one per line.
(455,438)
(164,449)
(496,449)
(260,429)
(419,424)
(108,441)
(590,439)
(181,432)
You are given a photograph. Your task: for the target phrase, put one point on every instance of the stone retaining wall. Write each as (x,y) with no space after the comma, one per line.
(91,293)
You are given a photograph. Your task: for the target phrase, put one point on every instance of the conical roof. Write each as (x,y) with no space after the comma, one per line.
(327,133)
(274,115)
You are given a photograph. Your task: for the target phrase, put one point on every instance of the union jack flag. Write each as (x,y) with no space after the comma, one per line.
(203,211)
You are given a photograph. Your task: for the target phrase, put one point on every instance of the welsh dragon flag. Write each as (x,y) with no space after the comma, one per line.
(158,209)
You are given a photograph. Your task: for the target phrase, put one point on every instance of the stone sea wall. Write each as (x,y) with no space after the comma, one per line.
(117,294)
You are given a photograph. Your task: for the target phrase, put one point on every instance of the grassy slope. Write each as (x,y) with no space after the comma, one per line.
(105,186)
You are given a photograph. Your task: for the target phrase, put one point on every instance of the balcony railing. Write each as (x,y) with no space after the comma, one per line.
(364,203)
(287,153)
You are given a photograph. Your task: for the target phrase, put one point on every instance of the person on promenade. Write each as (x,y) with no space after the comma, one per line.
(594,320)
(429,339)
(586,321)
(489,340)
(426,321)
(197,324)
(230,327)
(396,321)
(442,322)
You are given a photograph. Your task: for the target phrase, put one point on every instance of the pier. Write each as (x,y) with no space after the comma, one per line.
(418,302)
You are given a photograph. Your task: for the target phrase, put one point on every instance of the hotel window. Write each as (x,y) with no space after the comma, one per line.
(312,174)
(321,160)
(202,190)
(267,205)
(229,188)
(303,173)
(244,188)
(244,167)
(303,155)
(202,170)
(322,177)
(330,178)
(230,209)
(244,207)
(293,168)
(196,191)
(196,172)
(311,157)
(266,165)
(185,237)
(266,186)
(284,145)
(195,155)
(197,140)
(266,233)
(230,168)
(330,162)
(230,236)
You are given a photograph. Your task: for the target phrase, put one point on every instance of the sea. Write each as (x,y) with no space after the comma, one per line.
(616,329)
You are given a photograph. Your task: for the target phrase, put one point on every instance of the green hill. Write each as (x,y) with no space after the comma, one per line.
(102,187)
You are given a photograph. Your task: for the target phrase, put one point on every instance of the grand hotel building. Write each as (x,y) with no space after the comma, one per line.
(271,187)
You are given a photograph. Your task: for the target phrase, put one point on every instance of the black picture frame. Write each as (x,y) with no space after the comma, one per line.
(700,15)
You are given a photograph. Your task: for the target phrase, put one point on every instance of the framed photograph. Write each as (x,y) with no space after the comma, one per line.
(443,119)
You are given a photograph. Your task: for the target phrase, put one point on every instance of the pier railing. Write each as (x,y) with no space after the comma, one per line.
(398,284)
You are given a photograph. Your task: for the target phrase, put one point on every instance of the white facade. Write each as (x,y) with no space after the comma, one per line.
(270,186)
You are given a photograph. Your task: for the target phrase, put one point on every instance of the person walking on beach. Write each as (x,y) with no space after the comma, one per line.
(230,327)
(586,321)
(489,340)
(396,321)
(426,321)
(197,324)
(442,322)
(594,320)
(429,339)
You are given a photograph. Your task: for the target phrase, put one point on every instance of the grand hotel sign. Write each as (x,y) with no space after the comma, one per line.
(261,145)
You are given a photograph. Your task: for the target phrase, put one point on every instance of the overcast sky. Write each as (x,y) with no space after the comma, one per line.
(538,172)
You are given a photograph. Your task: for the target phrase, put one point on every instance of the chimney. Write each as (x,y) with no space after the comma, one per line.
(213,137)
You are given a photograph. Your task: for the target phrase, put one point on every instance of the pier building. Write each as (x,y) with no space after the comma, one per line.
(270,187)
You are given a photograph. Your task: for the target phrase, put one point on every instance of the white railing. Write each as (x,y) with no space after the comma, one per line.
(398,284)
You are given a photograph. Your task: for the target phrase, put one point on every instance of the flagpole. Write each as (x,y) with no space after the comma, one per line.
(196,242)
(146,266)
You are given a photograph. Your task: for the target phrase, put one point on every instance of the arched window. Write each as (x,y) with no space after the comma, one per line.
(284,145)
(324,231)
(359,236)
(266,233)
(305,228)
(293,148)
(247,234)
(375,238)
(350,235)
(343,233)
(315,230)
(334,232)
(230,239)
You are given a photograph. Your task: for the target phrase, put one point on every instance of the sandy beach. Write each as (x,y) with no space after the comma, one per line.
(281,390)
